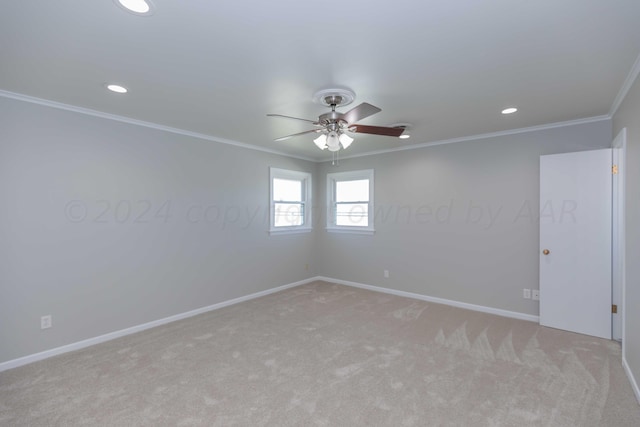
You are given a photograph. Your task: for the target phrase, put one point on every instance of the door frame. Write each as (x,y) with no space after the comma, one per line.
(618,257)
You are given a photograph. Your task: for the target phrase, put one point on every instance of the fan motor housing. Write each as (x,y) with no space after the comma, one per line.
(332,121)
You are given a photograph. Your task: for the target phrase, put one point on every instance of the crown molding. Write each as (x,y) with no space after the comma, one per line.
(481,136)
(151,125)
(626,86)
(95,113)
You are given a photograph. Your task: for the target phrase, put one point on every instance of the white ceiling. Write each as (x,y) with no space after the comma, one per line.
(218,67)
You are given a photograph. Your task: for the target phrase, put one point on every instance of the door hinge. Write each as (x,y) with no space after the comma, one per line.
(614,308)
(614,169)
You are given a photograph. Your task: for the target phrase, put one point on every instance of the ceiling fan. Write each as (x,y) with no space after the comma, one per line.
(332,125)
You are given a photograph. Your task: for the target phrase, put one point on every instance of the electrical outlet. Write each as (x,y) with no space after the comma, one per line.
(535,294)
(386,274)
(46,322)
(526,293)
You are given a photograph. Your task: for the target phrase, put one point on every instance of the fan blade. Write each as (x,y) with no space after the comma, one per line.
(376,130)
(282,138)
(360,112)
(294,118)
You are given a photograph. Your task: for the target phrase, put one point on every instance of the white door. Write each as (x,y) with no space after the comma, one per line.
(575,242)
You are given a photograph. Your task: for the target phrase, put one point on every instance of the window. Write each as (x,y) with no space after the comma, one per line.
(350,196)
(290,201)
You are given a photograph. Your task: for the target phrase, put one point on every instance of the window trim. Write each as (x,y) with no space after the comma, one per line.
(332,178)
(307,199)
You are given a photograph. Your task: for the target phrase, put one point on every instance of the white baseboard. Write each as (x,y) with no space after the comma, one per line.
(132,330)
(632,379)
(481,308)
(117,334)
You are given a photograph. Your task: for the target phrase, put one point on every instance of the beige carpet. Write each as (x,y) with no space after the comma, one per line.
(329,355)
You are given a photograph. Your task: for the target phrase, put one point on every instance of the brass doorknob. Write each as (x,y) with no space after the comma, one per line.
(546,252)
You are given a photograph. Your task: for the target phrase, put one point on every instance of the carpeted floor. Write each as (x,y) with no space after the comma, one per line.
(329,355)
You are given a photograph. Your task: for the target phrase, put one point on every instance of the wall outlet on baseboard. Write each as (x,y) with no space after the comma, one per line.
(526,293)
(535,294)
(46,322)
(386,274)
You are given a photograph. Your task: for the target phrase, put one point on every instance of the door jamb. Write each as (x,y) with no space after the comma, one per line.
(620,142)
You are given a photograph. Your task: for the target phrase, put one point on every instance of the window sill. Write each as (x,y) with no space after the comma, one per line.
(361,231)
(277,232)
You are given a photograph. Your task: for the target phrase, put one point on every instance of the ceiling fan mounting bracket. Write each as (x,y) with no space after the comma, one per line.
(334,97)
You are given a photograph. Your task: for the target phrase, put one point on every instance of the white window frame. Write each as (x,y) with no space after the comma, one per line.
(305,178)
(332,178)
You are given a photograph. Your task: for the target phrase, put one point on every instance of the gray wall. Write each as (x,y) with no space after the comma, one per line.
(70,248)
(480,245)
(454,221)
(628,115)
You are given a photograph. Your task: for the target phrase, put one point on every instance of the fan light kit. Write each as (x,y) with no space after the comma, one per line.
(332,141)
(332,126)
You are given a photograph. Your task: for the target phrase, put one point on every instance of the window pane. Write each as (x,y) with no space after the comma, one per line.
(352,214)
(287,190)
(288,214)
(352,191)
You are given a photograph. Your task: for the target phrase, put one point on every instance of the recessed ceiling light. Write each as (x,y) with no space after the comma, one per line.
(509,110)
(406,134)
(117,88)
(139,7)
